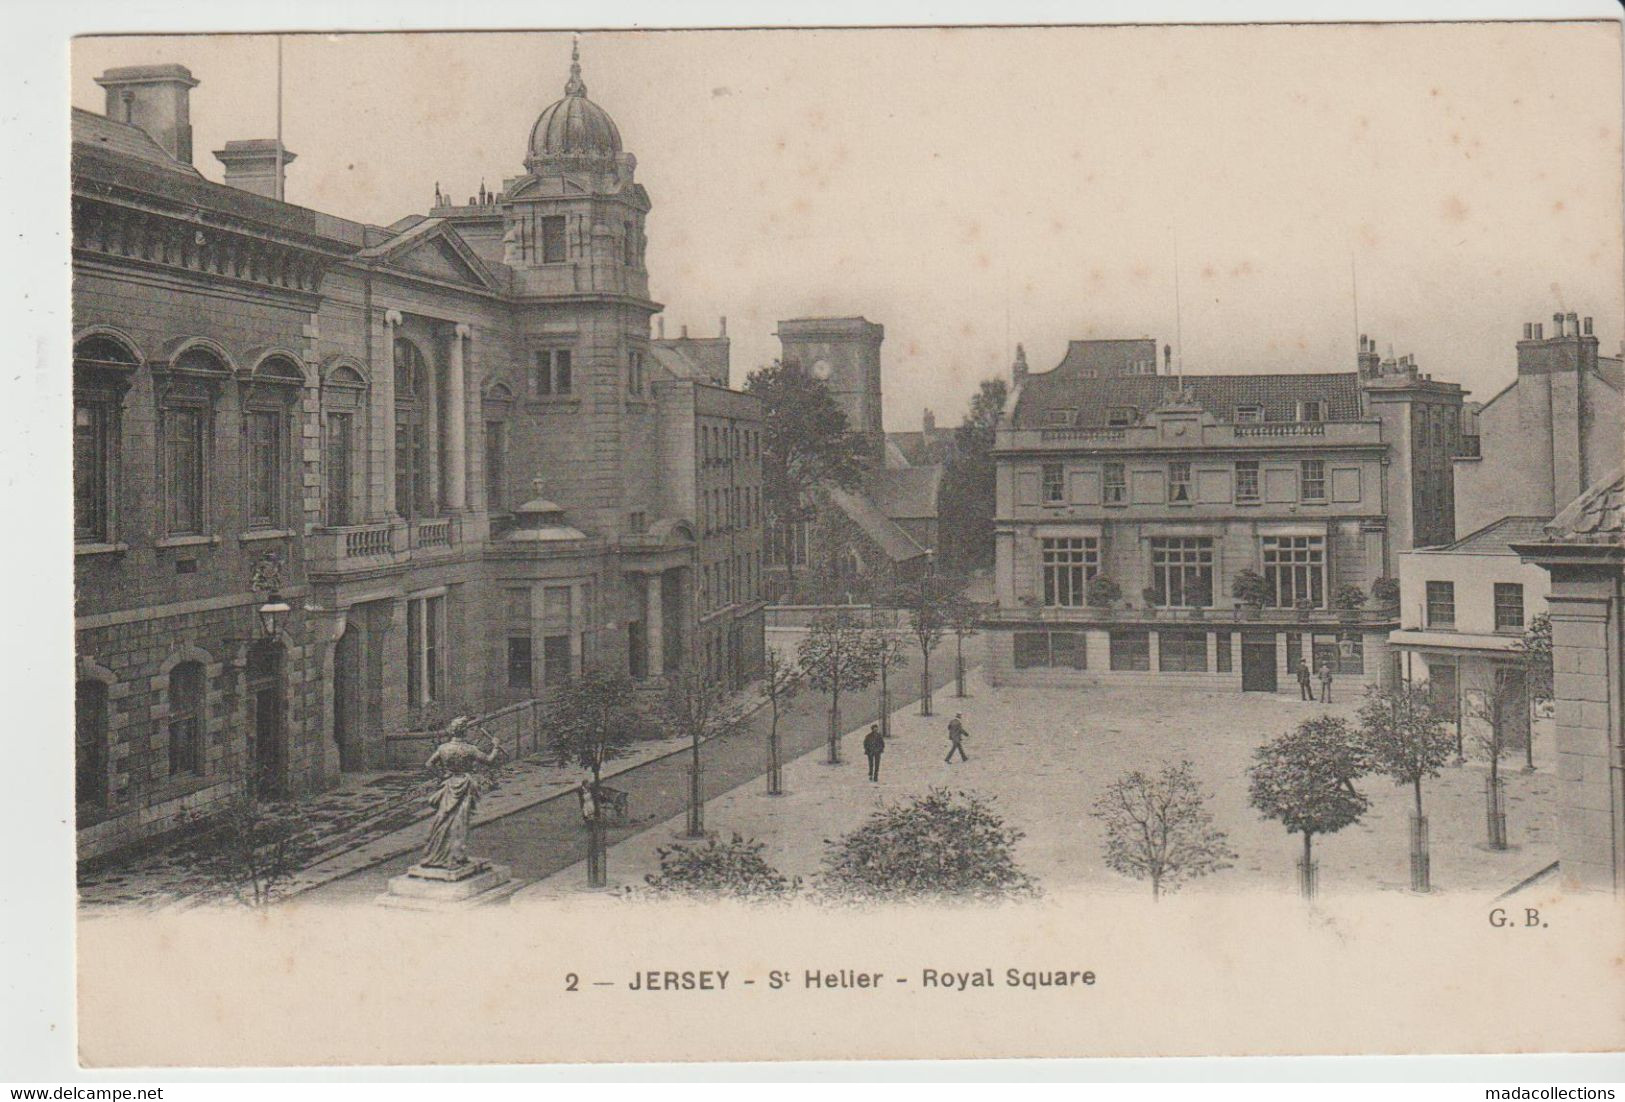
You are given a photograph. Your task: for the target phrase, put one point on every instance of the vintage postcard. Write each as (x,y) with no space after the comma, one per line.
(846,544)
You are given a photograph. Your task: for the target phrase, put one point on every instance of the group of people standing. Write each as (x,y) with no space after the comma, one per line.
(1306,687)
(874,744)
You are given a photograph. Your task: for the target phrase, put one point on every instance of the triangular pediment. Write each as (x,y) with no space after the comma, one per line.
(441,254)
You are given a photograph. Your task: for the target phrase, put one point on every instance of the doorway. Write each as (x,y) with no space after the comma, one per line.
(347,700)
(268,723)
(1259,661)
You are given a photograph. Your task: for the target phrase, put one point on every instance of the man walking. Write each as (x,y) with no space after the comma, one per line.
(874,745)
(1325,682)
(956,738)
(1306,690)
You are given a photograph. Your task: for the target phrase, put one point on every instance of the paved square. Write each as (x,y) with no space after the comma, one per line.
(1044,756)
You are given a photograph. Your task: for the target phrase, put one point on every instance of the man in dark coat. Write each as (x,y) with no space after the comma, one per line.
(874,745)
(1306,689)
(1325,682)
(956,738)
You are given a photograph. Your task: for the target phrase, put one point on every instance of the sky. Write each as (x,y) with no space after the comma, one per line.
(1254,196)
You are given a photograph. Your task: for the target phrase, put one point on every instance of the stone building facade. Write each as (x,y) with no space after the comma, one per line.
(1172,486)
(449,435)
(1583,549)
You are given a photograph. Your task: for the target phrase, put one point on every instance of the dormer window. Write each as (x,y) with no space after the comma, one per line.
(1121,417)
(1312,411)
(1247,415)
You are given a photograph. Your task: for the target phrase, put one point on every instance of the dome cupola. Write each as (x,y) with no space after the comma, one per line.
(575,131)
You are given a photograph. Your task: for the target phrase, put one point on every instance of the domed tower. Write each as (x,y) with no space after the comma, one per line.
(574,223)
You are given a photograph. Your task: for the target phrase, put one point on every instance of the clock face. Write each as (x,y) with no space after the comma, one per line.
(822,370)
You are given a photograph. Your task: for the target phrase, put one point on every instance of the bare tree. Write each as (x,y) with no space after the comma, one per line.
(1158,828)
(781,680)
(1496,704)
(961,615)
(927,599)
(252,849)
(1535,656)
(888,655)
(698,708)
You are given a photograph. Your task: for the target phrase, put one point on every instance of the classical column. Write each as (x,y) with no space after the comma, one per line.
(654,633)
(456,426)
(383,395)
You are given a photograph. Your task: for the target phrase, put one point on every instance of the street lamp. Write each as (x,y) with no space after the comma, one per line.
(271,613)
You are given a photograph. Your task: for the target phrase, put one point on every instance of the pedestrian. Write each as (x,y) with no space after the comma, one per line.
(874,745)
(1306,689)
(956,738)
(1325,682)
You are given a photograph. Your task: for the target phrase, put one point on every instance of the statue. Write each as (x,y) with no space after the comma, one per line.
(512,245)
(456,761)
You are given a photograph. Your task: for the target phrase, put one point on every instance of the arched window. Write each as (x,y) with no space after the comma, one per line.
(187,721)
(498,403)
(102,367)
(414,409)
(186,438)
(269,392)
(90,744)
(343,404)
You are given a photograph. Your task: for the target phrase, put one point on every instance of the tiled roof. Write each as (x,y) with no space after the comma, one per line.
(907,493)
(102,132)
(1596,517)
(896,544)
(1498,537)
(1220,395)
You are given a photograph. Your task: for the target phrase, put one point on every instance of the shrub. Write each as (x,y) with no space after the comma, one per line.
(1251,588)
(1349,598)
(734,869)
(943,846)
(1102,592)
(1385,591)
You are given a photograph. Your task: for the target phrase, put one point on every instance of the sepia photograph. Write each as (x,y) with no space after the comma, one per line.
(845,543)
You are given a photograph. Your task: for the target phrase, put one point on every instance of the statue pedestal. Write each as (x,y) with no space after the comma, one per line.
(428,889)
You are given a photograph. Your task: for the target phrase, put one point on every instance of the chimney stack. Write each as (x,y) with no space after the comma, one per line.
(1572,328)
(1528,330)
(722,326)
(1588,327)
(252,165)
(1557,325)
(1018,370)
(928,421)
(156,98)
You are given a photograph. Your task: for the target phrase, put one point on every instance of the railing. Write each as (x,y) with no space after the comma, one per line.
(516,728)
(1084,435)
(1126,614)
(431,533)
(1293,428)
(366,541)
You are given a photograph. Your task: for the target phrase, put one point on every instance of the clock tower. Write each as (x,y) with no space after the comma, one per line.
(843,354)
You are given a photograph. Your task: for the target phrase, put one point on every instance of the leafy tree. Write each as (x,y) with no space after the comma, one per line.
(781,681)
(941,846)
(734,869)
(593,718)
(965,502)
(1305,780)
(838,655)
(806,441)
(1158,828)
(698,708)
(1404,736)
(1496,704)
